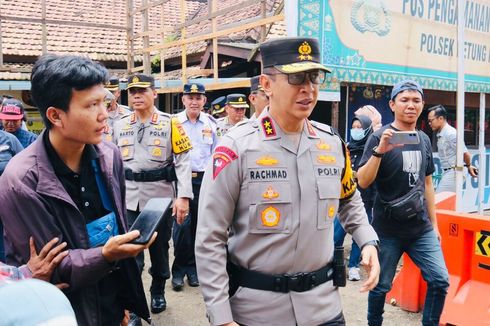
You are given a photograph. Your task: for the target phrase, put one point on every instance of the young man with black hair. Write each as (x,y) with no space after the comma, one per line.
(70,185)
(446,148)
(403,177)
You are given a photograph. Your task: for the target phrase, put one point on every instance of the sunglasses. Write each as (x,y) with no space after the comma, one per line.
(316,77)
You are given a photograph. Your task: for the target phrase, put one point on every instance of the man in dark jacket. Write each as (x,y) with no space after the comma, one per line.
(68,184)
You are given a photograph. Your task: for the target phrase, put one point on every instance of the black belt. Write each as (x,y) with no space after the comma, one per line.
(299,282)
(166,173)
(447,169)
(197,174)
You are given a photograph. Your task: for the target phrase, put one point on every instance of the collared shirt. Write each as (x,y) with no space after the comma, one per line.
(82,186)
(11,273)
(9,146)
(203,137)
(25,137)
(446,146)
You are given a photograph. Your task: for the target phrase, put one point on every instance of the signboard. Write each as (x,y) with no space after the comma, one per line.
(380,41)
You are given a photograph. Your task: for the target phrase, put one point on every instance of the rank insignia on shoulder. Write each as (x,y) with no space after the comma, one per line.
(154,118)
(326,159)
(268,127)
(311,131)
(221,158)
(323,146)
(267,161)
(132,118)
(270,216)
(270,193)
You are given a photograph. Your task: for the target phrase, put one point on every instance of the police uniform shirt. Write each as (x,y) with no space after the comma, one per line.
(203,137)
(446,146)
(278,201)
(120,112)
(148,146)
(223,125)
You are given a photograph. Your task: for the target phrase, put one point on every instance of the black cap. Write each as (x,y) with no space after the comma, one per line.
(218,105)
(194,88)
(237,100)
(140,81)
(255,84)
(292,54)
(112,84)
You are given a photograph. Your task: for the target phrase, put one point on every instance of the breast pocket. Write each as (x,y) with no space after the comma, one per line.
(328,201)
(270,208)
(156,149)
(126,146)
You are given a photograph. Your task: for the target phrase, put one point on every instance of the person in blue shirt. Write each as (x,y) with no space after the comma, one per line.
(11,114)
(201,129)
(9,146)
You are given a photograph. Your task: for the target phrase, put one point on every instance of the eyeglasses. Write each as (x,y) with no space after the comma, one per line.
(430,120)
(141,132)
(316,77)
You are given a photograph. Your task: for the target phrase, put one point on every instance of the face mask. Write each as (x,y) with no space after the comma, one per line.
(357,133)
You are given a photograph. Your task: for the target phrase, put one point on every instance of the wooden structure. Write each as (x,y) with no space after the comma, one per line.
(210,34)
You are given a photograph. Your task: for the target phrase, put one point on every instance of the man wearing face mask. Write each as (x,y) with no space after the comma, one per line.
(362,127)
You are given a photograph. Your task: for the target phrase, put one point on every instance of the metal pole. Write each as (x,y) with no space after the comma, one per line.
(482,153)
(460,106)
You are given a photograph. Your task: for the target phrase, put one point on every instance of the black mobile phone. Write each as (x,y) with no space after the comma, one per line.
(149,219)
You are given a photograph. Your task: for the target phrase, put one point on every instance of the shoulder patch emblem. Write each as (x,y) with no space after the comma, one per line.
(221,158)
(180,141)
(267,161)
(268,127)
(348,184)
(270,216)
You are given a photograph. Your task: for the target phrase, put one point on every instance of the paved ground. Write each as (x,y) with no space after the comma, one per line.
(187,307)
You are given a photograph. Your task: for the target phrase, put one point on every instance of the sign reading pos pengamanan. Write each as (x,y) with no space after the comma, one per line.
(382,41)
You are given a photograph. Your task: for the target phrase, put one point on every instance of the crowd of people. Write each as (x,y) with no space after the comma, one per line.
(259,204)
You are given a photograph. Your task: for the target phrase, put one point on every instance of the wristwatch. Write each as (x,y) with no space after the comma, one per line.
(375,153)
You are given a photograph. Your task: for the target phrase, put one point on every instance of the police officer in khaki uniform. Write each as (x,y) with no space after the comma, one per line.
(155,151)
(273,190)
(115,110)
(235,107)
(258,99)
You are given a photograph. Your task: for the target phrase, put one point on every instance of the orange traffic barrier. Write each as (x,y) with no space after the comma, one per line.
(466,248)
(409,288)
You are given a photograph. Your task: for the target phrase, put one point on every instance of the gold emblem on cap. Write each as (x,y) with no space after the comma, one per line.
(270,193)
(240,99)
(216,106)
(194,88)
(270,216)
(304,51)
(136,79)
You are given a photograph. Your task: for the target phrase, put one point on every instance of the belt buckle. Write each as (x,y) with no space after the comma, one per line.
(296,282)
(194,174)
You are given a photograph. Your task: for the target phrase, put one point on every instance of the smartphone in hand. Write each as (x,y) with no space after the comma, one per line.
(405,137)
(149,219)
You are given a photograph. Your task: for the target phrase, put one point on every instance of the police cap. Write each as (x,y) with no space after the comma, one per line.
(112,84)
(218,105)
(194,88)
(255,84)
(290,55)
(141,81)
(237,100)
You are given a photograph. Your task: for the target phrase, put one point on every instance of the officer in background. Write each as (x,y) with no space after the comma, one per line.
(235,107)
(115,110)
(447,141)
(218,107)
(268,202)
(155,151)
(201,129)
(258,99)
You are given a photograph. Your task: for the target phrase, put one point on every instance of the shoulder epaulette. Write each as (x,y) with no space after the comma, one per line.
(241,129)
(323,127)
